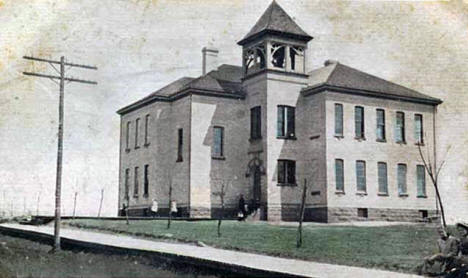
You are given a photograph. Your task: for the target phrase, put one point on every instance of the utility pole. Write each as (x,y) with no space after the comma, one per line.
(61,84)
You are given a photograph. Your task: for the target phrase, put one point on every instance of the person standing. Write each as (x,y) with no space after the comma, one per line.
(154,207)
(173,210)
(242,213)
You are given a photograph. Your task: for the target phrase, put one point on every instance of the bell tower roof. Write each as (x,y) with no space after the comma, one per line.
(275,21)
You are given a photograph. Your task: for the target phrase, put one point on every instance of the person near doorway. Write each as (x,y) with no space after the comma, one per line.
(242,213)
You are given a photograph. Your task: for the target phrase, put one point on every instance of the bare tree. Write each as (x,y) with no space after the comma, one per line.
(221,193)
(169,181)
(301,215)
(74,205)
(433,170)
(100,202)
(126,204)
(38,201)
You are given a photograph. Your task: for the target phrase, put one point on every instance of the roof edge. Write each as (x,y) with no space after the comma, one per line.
(274,32)
(178,95)
(323,87)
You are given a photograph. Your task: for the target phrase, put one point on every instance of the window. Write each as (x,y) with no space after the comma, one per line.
(400,127)
(418,129)
(339,175)
(338,119)
(421,180)
(278,54)
(137,127)
(362,212)
(296,54)
(127,139)
(218,140)
(180,139)
(147,119)
(361,176)
(254,58)
(401,175)
(359,122)
(256,123)
(136,185)
(382,176)
(380,125)
(146,181)
(286,122)
(127,182)
(287,172)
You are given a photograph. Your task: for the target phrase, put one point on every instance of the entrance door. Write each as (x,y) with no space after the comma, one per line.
(257,186)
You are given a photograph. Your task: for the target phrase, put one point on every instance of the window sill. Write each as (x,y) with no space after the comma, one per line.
(338,136)
(135,196)
(286,137)
(340,192)
(255,139)
(419,144)
(179,160)
(315,193)
(360,138)
(218,157)
(146,145)
(361,193)
(382,194)
(314,137)
(381,140)
(403,195)
(422,196)
(401,142)
(137,147)
(127,150)
(287,184)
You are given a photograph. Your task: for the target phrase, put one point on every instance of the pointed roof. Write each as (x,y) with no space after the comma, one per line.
(275,21)
(338,77)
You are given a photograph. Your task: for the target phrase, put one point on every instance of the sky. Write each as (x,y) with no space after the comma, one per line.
(141,45)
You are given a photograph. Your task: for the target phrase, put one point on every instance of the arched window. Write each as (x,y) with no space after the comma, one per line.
(296,55)
(249,60)
(260,60)
(254,58)
(278,54)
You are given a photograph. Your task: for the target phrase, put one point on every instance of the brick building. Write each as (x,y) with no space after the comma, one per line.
(264,128)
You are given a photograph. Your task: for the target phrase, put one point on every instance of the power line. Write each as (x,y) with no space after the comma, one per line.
(62,79)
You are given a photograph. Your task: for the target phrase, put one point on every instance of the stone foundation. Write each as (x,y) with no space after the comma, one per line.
(377,214)
(290,212)
(200,212)
(162,212)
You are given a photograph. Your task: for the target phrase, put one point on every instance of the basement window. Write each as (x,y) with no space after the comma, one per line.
(362,212)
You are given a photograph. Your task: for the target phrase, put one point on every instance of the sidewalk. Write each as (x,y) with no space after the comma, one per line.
(231,259)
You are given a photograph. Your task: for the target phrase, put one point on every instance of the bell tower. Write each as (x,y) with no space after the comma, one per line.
(274,73)
(275,43)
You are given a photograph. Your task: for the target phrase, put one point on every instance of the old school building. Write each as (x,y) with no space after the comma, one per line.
(264,128)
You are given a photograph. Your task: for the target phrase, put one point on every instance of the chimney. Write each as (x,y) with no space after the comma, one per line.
(210,59)
(330,62)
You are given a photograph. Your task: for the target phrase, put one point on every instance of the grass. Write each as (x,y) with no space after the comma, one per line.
(396,248)
(24,258)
